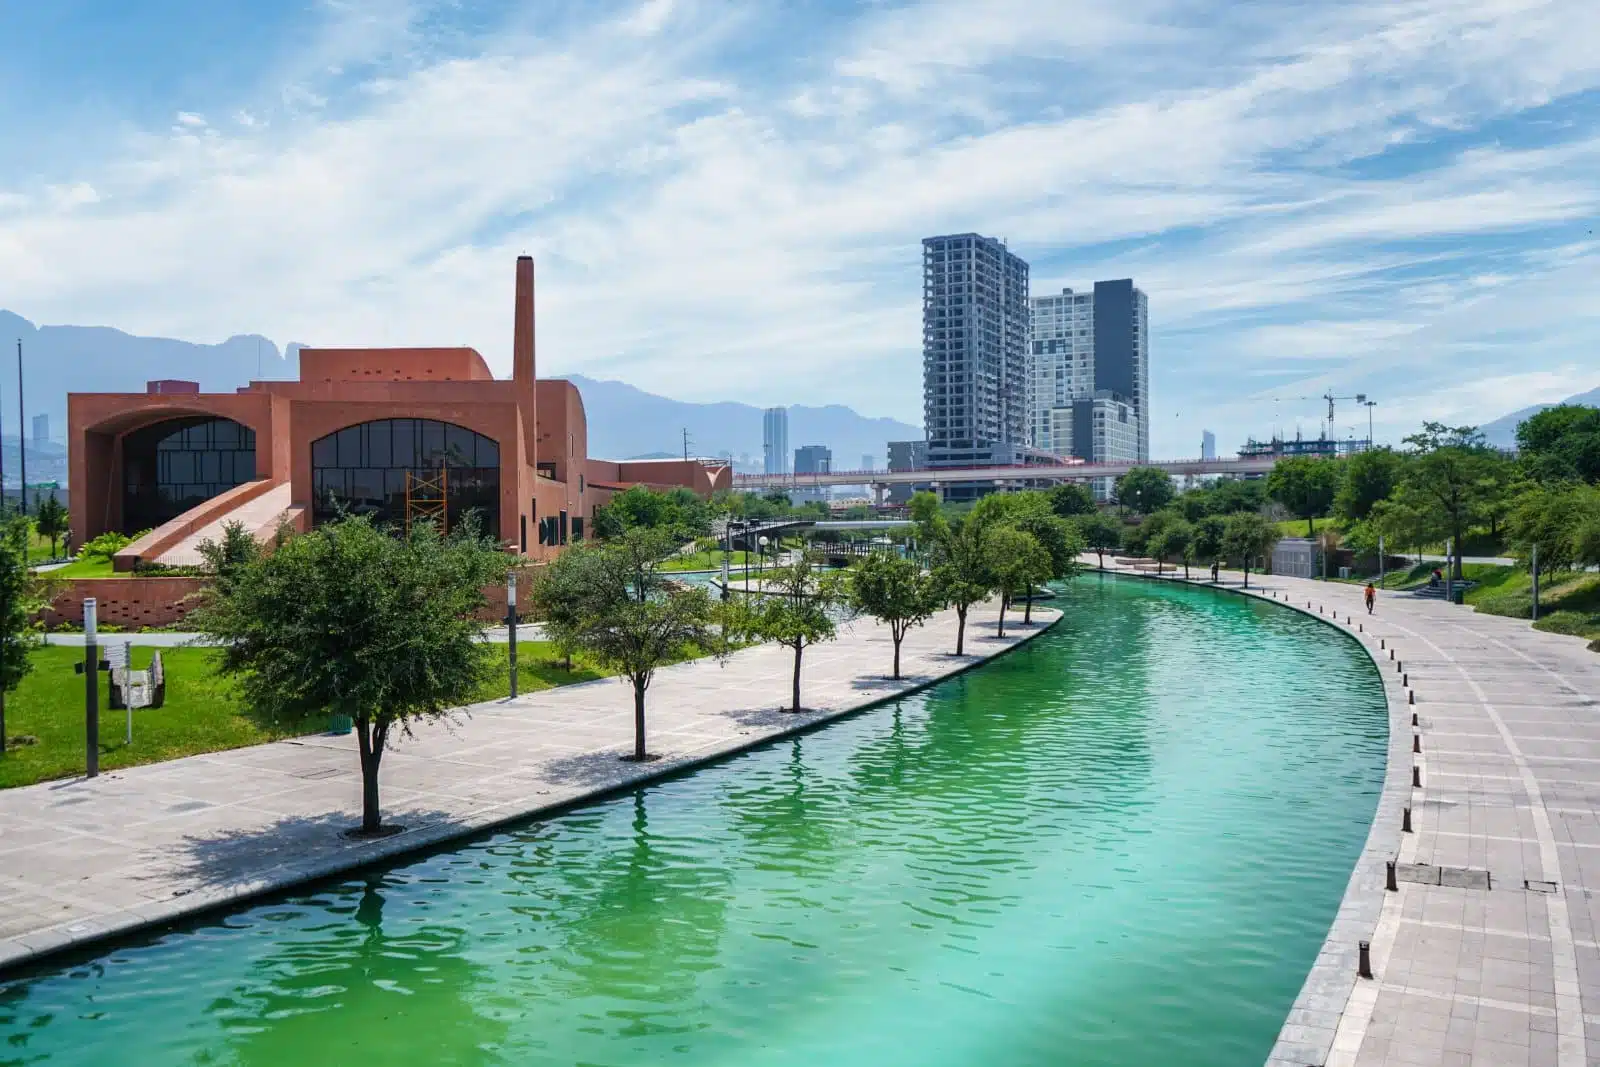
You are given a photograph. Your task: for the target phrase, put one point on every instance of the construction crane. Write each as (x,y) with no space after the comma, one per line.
(1359,398)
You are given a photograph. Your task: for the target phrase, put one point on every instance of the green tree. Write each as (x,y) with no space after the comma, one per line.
(894,591)
(1208,537)
(1017,562)
(1232,495)
(1071,498)
(22,594)
(610,600)
(1369,477)
(1174,544)
(1436,435)
(1402,524)
(1247,536)
(1101,532)
(1549,517)
(1138,540)
(1145,490)
(798,610)
(1562,443)
(1451,484)
(677,511)
(1306,486)
(51,521)
(960,571)
(351,620)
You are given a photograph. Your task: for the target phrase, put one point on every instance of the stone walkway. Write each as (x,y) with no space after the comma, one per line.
(86,859)
(1488,951)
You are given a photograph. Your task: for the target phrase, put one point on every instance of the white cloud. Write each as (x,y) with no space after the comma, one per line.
(190,119)
(759,228)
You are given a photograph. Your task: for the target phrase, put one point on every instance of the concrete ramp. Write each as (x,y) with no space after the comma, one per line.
(260,515)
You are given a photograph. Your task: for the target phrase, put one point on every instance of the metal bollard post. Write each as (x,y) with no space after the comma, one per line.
(511,627)
(1405,820)
(1364,967)
(1416,777)
(1389,881)
(1411,696)
(91,689)
(1414,719)
(1405,679)
(1416,742)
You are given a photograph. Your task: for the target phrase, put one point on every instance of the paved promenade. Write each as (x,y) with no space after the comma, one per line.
(1488,951)
(81,859)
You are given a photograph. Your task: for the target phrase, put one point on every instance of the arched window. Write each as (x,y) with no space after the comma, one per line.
(173,465)
(363,469)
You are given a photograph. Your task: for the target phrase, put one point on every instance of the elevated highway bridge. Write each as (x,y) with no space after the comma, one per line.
(1032,474)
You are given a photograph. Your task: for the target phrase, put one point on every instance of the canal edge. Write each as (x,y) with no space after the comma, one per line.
(20,956)
(1307,1035)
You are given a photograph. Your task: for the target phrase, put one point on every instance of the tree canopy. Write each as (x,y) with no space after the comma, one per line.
(1145,490)
(21,595)
(896,592)
(798,610)
(678,511)
(1306,486)
(349,619)
(1369,477)
(1562,443)
(1246,537)
(1101,533)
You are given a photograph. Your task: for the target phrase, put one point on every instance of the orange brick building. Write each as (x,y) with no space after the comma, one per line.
(402,434)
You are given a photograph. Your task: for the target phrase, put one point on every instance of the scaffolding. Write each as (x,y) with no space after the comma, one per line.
(426,497)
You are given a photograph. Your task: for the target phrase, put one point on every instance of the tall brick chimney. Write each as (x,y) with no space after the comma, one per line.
(522,340)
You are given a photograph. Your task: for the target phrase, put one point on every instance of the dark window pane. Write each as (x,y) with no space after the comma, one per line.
(225,434)
(432,443)
(404,448)
(325,452)
(488,451)
(350,446)
(459,445)
(378,437)
(208,467)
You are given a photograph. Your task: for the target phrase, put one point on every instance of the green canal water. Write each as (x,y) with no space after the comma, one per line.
(1122,844)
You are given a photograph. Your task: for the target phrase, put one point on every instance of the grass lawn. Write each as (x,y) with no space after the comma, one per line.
(1568,604)
(706,561)
(1297,527)
(86,568)
(201,714)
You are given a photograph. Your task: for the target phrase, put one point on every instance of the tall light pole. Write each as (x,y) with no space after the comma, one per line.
(1369,405)
(22,429)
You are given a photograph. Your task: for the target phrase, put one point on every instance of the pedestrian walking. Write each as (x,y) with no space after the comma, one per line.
(1371,597)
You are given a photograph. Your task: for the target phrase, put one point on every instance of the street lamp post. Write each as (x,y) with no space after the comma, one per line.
(511,627)
(761,555)
(22,430)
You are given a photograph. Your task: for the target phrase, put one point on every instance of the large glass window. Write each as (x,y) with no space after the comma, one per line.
(171,466)
(362,470)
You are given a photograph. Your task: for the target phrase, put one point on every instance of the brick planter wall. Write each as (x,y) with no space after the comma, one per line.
(127,602)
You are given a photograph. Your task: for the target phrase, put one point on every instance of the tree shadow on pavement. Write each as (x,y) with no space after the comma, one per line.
(291,849)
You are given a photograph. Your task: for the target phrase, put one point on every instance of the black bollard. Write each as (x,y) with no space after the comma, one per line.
(1389,882)
(1411,696)
(1405,679)
(1416,777)
(1364,968)
(1405,820)
(1416,742)
(1414,719)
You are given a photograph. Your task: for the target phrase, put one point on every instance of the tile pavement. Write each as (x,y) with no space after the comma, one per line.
(82,860)
(1509,721)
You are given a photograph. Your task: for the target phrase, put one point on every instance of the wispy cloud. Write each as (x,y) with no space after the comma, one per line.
(1383,197)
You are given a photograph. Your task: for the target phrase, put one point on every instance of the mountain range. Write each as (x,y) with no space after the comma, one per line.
(1502,432)
(624,422)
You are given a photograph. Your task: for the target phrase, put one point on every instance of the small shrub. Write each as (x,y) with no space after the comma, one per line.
(1572,623)
(1511,605)
(105,546)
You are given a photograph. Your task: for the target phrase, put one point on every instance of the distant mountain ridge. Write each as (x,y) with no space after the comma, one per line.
(1502,432)
(624,421)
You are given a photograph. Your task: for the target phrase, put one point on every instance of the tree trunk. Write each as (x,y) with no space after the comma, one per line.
(1247,574)
(1100,553)
(1027,609)
(1311,527)
(1000,631)
(1186,570)
(370,739)
(898,637)
(1158,566)
(3,719)
(961,627)
(798,649)
(638,722)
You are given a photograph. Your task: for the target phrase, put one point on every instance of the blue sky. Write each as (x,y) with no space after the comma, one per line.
(725,200)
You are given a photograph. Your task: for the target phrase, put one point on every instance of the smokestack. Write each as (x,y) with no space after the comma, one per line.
(522,340)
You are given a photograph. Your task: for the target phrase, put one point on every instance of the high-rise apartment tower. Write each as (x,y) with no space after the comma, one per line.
(974,353)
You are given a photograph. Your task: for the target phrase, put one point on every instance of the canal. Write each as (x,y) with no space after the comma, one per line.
(1121,844)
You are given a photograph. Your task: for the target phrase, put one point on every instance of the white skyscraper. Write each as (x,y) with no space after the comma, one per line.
(1208,445)
(775,440)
